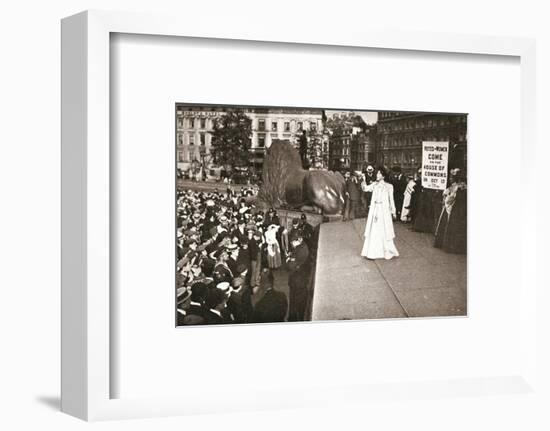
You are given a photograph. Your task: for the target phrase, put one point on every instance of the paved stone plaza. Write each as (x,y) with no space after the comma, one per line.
(422,281)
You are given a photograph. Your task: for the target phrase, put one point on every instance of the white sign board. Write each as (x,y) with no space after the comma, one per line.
(435,156)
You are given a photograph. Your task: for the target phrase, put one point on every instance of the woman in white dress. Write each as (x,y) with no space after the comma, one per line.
(379,233)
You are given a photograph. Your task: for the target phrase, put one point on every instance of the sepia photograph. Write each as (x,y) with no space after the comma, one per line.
(287,214)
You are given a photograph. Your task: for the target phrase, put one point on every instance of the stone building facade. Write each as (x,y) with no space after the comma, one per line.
(400,136)
(352,149)
(194,125)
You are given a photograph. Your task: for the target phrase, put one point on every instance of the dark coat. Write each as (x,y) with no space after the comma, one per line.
(269,220)
(295,232)
(399,183)
(353,189)
(242,236)
(213,318)
(298,278)
(253,249)
(450,234)
(300,260)
(307,232)
(238,307)
(424,212)
(194,315)
(232,263)
(271,308)
(222,273)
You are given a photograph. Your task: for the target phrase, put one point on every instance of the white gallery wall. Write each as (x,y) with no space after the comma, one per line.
(30,204)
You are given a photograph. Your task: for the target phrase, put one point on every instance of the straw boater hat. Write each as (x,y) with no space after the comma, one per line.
(231,247)
(224,286)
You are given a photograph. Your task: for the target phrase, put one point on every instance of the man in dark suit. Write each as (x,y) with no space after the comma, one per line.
(307,230)
(272,306)
(222,271)
(271,218)
(232,261)
(399,182)
(295,230)
(353,196)
(216,302)
(240,232)
(196,312)
(298,278)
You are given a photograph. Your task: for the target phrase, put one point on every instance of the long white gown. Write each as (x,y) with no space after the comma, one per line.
(379,233)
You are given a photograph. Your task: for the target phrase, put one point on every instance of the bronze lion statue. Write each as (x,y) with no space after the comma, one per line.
(285,182)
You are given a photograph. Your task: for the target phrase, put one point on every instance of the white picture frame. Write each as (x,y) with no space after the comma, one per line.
(86,341)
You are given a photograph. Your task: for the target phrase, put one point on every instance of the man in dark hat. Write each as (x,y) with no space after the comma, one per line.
(399,182)
(233,250)
(216,301)
(196,312)
(240,231)
(243,257)
(239,303)
(307,231)
(298,278)
(222,272)
(295,230)
(255,252)
(353,196)
(271,218)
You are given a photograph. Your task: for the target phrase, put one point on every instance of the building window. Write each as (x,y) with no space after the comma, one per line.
(191,123)
(300,126)
(261,125)
(203,123)
(274,126)
(180,156)
(180,139)
(180,122)
(261,141)
(202,137)
(191,139)
(313,126)
(287,126)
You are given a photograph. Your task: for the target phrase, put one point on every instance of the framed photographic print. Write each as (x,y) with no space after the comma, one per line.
(264,194)
(296,207)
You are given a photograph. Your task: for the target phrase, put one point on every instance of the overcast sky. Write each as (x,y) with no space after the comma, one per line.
(370,117)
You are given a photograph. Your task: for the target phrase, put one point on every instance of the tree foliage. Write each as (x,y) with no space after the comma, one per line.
(338,125)
(231,139)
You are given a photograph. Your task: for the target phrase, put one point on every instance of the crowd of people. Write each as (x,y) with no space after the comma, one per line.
(227,252)
(440,212)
